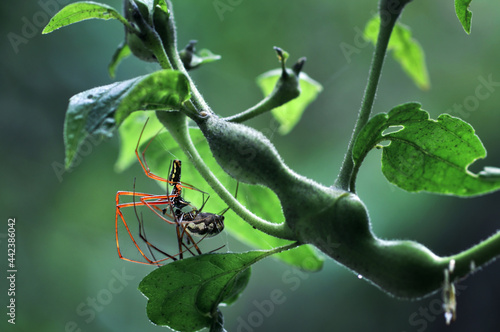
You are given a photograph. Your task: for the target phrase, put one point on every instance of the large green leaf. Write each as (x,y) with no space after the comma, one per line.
(185,294)
(464,14)
(425,154)
(99,110)
(405,50)
(80,11)
(289,114)
(257,199)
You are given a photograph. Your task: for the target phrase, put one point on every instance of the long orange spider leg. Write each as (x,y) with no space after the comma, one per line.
(119,213)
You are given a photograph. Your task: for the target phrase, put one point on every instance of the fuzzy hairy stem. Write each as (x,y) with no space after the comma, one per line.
(332,219)
(165,23)
(176,124)
(389,12)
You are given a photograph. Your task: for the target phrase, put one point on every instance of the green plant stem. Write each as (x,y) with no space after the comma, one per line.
(197,102)
(477,256)
(284,248)
(407,269)
(263,106)
(386,26)
(176,123)
(177,126)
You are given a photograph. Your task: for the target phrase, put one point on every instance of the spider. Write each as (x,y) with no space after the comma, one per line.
(171,208)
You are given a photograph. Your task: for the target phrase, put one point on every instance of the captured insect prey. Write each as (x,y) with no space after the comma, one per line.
(171,208)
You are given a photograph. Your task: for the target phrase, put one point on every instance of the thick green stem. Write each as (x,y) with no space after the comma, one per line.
(387,22)
(176,123)
(405,269)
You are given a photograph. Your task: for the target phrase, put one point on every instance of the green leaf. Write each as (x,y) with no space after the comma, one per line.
(80,11)
(258,199)
(464,14)
(405,50)
(121,53)
(150,4)
(162,4)
(99,110)
(203,56)
(192,59)
(427,155)
(289,114)
(184,295)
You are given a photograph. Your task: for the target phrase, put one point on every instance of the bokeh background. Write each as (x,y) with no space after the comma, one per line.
(66,254)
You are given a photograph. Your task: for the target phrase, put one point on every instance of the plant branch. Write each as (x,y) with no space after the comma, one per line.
(176,124)
(477,256)
(388,19)
(263,106)
(285,248)
(286,89)
(197,103)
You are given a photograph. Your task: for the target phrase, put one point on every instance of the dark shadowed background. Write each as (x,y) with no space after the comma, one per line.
(69,276)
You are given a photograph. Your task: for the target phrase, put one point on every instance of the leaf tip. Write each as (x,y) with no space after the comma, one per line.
(48,28)
(464,14)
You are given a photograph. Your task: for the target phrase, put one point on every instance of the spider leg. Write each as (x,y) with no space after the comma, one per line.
(143,202)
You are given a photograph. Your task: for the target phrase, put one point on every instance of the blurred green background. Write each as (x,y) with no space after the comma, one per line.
(66,253)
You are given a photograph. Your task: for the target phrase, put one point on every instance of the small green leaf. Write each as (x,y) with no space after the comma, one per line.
(98,111)
(184,295)
(80,11)
(149,4)
(282,55)
(203,56)
(258,199)
(406,51)
(289,114)
(427,155)
(162,4)
(464,14)
(192,59)
(121,53)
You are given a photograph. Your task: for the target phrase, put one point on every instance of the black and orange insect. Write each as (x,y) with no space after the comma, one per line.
(171,208)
